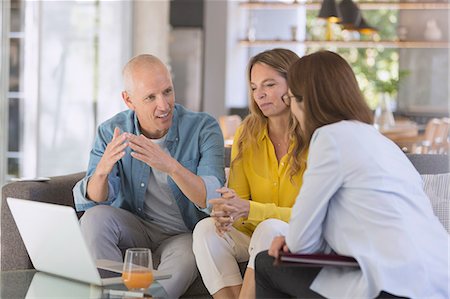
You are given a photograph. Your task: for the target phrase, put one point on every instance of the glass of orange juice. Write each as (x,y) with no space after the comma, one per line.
(137,269)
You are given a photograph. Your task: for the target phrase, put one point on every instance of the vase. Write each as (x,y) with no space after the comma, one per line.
(384,118)
(432,31)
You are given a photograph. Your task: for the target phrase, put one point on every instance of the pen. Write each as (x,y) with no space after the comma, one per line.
(124,293)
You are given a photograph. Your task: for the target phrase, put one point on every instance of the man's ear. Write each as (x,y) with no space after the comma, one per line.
(127,100)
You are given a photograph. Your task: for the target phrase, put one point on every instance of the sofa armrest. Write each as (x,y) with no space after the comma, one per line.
(58,191)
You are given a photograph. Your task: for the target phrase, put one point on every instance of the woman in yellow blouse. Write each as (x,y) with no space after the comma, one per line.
(265,178)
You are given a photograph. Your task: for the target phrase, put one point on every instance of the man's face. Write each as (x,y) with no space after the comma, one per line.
(152,97)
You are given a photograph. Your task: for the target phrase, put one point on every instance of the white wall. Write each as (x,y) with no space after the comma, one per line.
(236,85)
(151,28)
(268,24)
(215,26)
(60,129)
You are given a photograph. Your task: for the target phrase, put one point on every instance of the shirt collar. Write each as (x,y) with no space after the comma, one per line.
(137,128)
(172,135)
(264,133)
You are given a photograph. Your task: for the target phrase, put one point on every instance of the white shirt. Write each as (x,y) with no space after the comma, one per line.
(362,197)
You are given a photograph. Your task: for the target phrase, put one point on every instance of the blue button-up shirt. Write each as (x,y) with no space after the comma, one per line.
(194,140)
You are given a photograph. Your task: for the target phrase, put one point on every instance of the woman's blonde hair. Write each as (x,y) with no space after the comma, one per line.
(253,125)
(326,85)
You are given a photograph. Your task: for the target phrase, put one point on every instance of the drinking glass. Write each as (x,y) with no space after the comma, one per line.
(137,269)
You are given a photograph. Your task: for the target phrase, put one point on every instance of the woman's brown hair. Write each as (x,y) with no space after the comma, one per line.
(326,85)
(252,126)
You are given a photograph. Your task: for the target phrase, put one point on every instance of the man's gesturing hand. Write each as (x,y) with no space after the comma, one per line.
(114,151)
(147,151)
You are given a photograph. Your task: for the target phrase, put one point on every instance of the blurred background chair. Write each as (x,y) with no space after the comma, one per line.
(228,125)
(441,137)
(434,140)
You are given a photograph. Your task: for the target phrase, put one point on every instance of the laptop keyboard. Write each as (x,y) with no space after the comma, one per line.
(108,274)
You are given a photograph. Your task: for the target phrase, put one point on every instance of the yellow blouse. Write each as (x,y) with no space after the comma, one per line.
(258,177)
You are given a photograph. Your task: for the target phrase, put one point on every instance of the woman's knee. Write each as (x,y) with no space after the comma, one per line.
(204,228)
(203,232)
(263,235)
(271,227)
(265,232)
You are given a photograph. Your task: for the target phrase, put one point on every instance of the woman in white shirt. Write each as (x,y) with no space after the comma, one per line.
(361,197)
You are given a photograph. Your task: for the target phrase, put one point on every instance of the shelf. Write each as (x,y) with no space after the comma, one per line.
(315,5)
(350,44)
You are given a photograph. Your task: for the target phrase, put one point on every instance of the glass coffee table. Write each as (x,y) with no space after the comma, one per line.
(33,284)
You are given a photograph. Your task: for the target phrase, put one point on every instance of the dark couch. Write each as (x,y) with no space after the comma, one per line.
(59,191)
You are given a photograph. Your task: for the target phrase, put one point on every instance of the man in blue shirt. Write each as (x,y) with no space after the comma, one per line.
(152,171)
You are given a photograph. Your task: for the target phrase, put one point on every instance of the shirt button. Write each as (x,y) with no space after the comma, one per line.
(282,163)
(139,209)
(142,185)
(275,183)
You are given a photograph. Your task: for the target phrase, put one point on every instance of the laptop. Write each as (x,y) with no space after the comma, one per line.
(52,236)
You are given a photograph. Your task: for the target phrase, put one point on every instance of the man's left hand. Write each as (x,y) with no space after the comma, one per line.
(145,150)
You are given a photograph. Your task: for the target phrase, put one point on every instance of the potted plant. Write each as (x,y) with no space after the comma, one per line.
(387,89)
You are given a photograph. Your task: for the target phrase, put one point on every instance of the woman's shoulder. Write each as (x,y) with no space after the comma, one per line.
(344,127)
(343,133)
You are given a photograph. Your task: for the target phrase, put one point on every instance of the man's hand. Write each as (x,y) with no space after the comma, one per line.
(114,151)
(97,187)
(150,153)
(278,244)
(227,209)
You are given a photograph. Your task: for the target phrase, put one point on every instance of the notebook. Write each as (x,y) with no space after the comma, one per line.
(53,239)
(317,260)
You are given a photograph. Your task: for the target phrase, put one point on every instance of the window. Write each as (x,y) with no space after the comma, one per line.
(64,78)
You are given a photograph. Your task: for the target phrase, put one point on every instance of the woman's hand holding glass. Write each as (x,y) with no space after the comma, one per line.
(228,209)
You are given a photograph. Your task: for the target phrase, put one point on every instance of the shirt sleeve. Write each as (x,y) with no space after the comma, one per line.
(82,203)
(211,164)
(262,211)
(322,179)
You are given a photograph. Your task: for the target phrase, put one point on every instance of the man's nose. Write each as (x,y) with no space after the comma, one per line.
(162,103)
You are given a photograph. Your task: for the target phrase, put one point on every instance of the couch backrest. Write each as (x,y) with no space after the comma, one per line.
(435,172)
(430,164)
(59,190)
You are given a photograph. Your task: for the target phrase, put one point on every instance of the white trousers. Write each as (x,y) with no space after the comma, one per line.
(218,257)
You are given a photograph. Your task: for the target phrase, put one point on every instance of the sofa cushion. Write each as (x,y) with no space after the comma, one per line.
(437,187)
